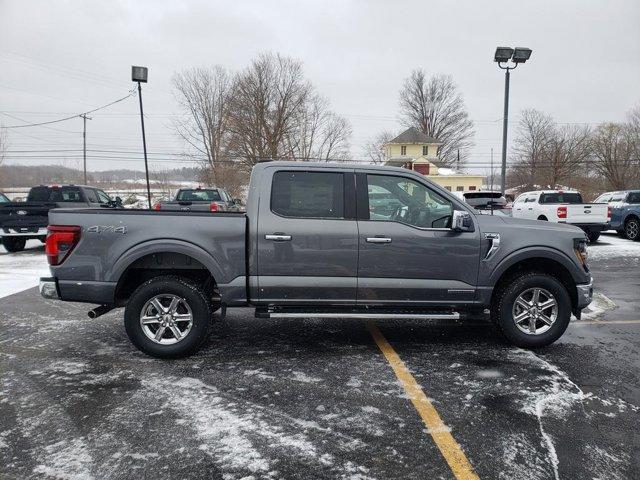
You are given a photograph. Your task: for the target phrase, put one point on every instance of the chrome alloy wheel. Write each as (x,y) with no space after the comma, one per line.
(632,229)
(534,311)
(166,319)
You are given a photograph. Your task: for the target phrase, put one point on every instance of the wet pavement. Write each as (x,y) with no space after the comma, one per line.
(317,399)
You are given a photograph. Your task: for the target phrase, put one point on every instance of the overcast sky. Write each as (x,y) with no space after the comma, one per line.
(61,57)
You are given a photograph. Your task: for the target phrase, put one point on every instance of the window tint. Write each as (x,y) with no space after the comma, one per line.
(634,197)
(91,194)
(208,195)
(561,198)
(54,194)
(399,199)
(308,194)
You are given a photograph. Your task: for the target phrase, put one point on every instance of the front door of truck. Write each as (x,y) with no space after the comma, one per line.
(307,238)
(408,253)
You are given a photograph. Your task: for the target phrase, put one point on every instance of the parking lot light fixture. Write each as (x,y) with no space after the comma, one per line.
(139,75)
(502,56)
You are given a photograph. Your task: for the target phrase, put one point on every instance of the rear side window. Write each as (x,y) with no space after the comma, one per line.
(561,198)
(209,195)
(54,194)
(91,195)
(308,194)
(634,197)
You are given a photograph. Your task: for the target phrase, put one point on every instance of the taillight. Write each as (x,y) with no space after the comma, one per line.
(157,206)
(609,209)
(61,239)
(562,212)
(213,207)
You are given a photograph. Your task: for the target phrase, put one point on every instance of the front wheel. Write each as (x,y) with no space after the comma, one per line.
(533,310)
(168,317)
(632,229)
(14,244)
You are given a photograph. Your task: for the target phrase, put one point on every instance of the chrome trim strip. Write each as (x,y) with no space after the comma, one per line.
(41,231)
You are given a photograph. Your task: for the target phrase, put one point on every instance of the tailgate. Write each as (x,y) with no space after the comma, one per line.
(587,213)
(25,216)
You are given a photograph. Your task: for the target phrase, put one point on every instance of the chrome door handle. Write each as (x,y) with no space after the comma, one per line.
(378,240)
(278,237)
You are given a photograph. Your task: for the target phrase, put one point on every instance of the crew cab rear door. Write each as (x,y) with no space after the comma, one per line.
(307,237)
(409,255)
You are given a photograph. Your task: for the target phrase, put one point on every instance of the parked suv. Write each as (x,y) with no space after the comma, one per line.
(625,212)
(21,221)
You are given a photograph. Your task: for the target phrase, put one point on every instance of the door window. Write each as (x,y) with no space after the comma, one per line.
(308,194)
(103,197)
(91,195)
(400,199)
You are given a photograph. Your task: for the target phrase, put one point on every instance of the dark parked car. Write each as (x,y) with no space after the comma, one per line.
(4,199)
(309,246)
(625,212)
(21,221)
(201,200)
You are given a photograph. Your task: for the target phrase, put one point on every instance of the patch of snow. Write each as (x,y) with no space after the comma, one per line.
(66,460)
(22,270)
(598,306)
(304,378)
(612,246)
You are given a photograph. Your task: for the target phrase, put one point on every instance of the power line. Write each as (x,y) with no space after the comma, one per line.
(131,93)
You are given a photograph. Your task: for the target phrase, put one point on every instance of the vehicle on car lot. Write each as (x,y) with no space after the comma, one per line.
(21,221)
(4,199)
(487,202)
(201,200)
(309,246)
(625,212)
(560,206)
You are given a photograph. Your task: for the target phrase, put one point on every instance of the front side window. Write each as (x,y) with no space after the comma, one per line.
(103,197)
(4,199)
(634,197)
(400,199)
(308,194)
(91,194)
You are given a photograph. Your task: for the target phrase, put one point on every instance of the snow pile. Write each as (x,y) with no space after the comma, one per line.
(19,271)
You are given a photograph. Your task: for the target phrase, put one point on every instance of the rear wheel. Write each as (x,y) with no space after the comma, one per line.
(14,244)
(533,311)
(632,229)
(593,235)
(168,317)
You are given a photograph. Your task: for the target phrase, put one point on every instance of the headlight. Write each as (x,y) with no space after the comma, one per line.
(580,249)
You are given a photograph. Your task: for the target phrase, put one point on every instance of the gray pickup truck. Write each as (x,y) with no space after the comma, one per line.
(310,245)
(201,200)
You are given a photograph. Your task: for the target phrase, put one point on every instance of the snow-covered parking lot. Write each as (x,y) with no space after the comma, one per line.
(317,399)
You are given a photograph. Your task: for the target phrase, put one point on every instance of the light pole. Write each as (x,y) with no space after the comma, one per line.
(139,74)
(503,55)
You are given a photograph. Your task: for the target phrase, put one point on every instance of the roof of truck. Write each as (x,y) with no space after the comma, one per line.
(342,165)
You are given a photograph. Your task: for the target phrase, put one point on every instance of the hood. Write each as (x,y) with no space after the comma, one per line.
(488,222)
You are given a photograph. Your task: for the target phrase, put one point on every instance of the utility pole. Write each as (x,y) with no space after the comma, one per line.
(84,118)
(491,170)
(458,162)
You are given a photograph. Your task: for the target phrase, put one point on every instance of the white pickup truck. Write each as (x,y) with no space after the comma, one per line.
(563,207)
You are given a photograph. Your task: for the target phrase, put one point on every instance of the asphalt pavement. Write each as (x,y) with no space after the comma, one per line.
(318,399)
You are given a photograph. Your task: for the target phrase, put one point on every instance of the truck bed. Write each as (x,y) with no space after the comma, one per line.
(111,240)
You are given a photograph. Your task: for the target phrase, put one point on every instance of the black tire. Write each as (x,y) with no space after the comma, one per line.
(14,244)
(592,235)
(191,294)
(632,229)
(543,218)
(507,297)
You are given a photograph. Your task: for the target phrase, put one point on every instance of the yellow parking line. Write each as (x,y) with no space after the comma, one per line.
(448,446)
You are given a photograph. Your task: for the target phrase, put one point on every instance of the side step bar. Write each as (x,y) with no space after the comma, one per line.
(387,315)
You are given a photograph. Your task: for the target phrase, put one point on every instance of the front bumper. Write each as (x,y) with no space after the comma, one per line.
(585,294)
(49,288)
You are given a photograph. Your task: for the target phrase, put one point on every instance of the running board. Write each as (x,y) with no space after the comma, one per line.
(354,314)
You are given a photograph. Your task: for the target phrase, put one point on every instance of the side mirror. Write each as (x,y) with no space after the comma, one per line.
(461,221)
(118,201)
(237,201)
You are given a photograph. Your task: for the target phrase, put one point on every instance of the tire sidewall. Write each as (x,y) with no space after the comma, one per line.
(14,244)
(197,301)
(511,293)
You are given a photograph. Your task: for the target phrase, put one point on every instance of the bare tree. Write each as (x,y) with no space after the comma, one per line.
(373,149)
(318,133)
(203,94)
(231,175)
(615,154)
(569,149)
(532,144)
(267,99)
(435,106)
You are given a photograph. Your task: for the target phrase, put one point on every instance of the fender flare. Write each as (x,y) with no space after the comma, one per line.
(164,246)
(537,252)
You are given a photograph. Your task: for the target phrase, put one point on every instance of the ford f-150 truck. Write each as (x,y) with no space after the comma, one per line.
(563,207)
(310,246)
(21,221)
(625,212)
(201,199)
